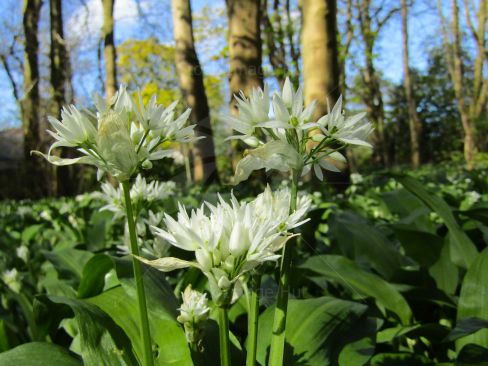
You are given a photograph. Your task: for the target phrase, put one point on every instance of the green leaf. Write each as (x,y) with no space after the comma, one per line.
(400,359)
(102,340)
(362,242)
(466,327)
(69,262)
(38,354)
(463,251)
(472,355)
(315,329)
(473,301)
(352,277)
(168,337)
(98,228)
(93,278)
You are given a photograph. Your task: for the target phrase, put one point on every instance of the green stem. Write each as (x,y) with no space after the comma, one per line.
(253,317)
(279,323)
(224,337)
(141,296)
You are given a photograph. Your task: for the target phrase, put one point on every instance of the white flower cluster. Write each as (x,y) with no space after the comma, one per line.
(232,239)
(285,138)
(122,137)
(141,194)
(194,311)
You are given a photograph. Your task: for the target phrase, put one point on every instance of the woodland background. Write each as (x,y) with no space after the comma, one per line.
(419,68)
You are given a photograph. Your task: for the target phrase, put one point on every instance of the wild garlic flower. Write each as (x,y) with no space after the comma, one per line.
(142,194)
(121,137)
(231,239)
(194,311)
(287,139)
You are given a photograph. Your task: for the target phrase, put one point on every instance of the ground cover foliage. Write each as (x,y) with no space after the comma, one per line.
(392,271)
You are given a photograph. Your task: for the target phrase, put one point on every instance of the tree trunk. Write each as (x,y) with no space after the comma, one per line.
(60,68)
(190,76)
(275,41)
(320,54)
(373,98)
(31,101)
(109,51)
(414,122)
(459,90)
(294,51)
(245,48)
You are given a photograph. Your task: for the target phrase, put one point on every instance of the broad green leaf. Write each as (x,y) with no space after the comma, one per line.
(98,228)
(400,359)
(473,301)
(359,343)
(409,208)
(432,252)
(466,327)
(315,330)
(472,355)
(463,251)
(423,247)
(167,335)
(38,354)
(159,294)
(434,332)
(69,262)
(102,340)
(362,242)
(357,280)
(93,278)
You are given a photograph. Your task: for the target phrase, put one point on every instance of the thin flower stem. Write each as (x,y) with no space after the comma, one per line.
(141,296)
(224,337)
(279,323)
(252,325)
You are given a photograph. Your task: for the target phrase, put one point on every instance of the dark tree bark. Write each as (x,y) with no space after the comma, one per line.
(30,100)
(414,122)
(60,68)
(320,54)
(245,48)
(190,76)
(275,42)
(109,50)
(373,98)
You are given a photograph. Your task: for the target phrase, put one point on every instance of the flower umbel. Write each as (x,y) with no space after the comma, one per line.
(231,240)
(121,137)
(286,138)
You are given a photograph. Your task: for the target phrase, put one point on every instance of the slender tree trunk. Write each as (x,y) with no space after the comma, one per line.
(455,65)
(373,98)
(294,50)
(60,68)
(345,46)
(320,54)
(31,100)
(414,122)
(245,48)
(274,39)
(109,51)
(190,76)
(478,32)
(459,89)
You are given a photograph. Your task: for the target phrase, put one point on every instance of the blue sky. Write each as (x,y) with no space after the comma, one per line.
(83,20)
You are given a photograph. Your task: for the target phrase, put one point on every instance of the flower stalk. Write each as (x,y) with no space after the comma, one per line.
(279,322)
(224,337)
(141,296)
(253,318)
